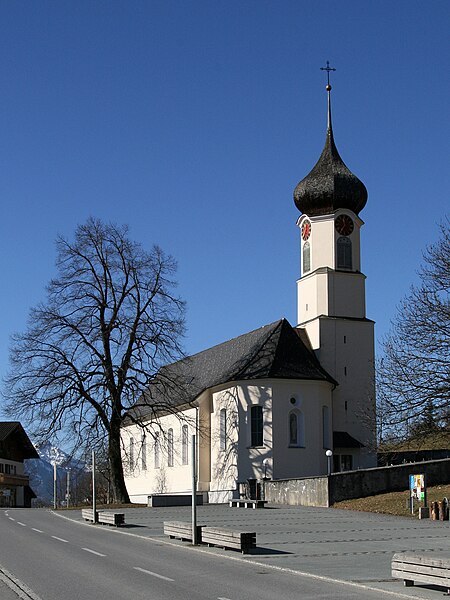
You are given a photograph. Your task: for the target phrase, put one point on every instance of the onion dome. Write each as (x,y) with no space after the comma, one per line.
(330,185)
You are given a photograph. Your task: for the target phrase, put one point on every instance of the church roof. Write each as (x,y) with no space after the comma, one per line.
(330,185)
(272,351)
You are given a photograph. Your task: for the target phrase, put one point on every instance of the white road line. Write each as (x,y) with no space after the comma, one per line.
(11,519)
(223,598)
(19,523)
(154,574)
(59,539)
(38,530)
(93,552)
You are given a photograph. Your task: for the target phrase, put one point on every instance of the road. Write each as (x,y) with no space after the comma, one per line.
(52,558)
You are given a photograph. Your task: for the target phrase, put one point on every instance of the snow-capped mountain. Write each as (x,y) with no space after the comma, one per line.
(40,472)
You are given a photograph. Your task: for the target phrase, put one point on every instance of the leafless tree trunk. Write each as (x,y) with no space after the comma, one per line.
(111,320)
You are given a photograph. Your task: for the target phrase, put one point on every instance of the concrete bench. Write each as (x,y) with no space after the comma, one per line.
(182,530)
(429,569)
(104,517)
(248,503)
(226,538)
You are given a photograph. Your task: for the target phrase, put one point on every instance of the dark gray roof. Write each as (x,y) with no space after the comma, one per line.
(342,439)
(13,429)
(273,351)
(330,184)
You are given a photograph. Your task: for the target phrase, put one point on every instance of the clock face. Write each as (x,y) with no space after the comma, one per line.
(306,230)
(344,225)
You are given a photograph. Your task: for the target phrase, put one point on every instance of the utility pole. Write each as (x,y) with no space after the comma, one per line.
(194,491)
(68,489)
(54,486)
(94,498)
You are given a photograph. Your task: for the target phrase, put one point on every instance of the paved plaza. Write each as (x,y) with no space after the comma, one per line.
(349,546)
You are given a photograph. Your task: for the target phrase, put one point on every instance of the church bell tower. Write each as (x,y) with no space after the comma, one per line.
(331,298)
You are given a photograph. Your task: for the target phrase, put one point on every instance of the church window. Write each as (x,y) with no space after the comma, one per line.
(223,429)
(326,427)
(256,418)
(156,450)
(344,253)
(170,448)
(144,453)
(184,444)
(306,257)
(296,429)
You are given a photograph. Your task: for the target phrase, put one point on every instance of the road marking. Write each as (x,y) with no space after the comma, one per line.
(93,552)
(38,530)
(222,598)
(59,539)
(11,519)
(19,523)
(154,574)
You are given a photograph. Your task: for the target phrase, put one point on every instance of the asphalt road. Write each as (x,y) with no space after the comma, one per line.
(54,558)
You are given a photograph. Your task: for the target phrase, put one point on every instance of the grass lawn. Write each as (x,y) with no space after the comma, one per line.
(394,503)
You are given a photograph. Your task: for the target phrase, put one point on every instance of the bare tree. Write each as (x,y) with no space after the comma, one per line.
(110,321)
(414,372)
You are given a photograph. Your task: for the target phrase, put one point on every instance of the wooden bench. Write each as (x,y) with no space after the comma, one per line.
(182,530)
(88,514)
(226,538)
(422,568)
(248,503)
(104,517)
(110,518)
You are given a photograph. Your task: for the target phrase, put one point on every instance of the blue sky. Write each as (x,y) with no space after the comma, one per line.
(193,121)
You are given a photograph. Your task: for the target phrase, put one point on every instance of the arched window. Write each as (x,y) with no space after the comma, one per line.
(223,429)
(296,429)
(326,427)
(184,444)
(306,257)
(170,448)
(344,253)
(256,426)
(156,450)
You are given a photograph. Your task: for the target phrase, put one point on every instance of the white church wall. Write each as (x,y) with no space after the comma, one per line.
(150,470)
(308,457)
(347,353)
(236,460)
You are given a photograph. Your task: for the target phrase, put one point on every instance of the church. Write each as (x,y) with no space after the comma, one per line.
(270,403)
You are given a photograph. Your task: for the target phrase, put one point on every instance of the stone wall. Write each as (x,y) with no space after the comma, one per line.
(311,491)
(359,484)
(325,491)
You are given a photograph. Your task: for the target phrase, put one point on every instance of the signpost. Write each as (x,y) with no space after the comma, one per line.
(418,490)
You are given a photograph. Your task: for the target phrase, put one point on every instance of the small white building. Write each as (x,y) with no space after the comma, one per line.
(270,403)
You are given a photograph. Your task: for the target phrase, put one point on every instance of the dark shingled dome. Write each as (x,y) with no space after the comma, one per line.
(330,185)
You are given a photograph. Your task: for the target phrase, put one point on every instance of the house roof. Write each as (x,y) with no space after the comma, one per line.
(273,351)
(11,429)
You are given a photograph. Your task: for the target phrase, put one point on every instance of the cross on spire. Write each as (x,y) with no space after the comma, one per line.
(328,69)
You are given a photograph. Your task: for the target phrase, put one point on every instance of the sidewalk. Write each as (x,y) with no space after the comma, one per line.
(342,545)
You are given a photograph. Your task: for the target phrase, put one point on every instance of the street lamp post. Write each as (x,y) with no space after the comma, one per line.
(329,455)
